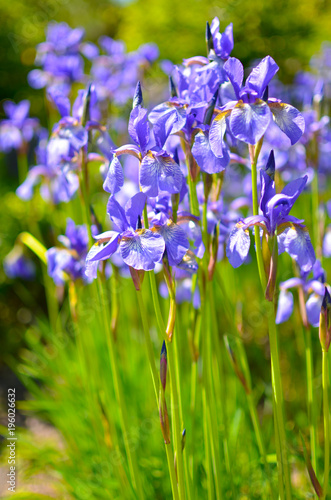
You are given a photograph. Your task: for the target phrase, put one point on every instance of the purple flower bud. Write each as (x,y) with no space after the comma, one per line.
(163,365)
(325,322)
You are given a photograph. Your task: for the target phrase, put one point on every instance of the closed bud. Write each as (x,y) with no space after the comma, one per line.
(164,418)
(325,322)
(138,97)
(210,110)
(163,365)
(209,39)
(172,88)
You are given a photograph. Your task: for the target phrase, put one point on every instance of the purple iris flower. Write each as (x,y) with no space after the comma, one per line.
(313,288)
(69,260)
(60,57)
(158,170)
(17,265)
(292,235)
(249,116)
(17,129)
(56,169)
(140,248)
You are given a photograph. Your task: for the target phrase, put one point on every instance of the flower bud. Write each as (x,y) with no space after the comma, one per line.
(325,322)
(163,365)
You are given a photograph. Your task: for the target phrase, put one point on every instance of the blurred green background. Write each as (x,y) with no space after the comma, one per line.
(290,31)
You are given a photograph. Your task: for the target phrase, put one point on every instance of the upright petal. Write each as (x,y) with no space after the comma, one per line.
(139,127)
(267,190)
(235,72)
(248,122)
(117,214)
(142,249)
(102,250)
(288,119)
(238,246)
(134,208)
(260,76)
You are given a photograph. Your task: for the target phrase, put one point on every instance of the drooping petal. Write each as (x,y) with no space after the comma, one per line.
(142,249)
(102,251)
(238,246)
(298,245)
(117,214)
(128,149)
(134,208)
(169,107)
(261,76)
(176,242)
(235,72)
(285,306)
(248,122)
(216,133)
(288,119)
(160,173)
(313,308)
(205,157)
(115,177)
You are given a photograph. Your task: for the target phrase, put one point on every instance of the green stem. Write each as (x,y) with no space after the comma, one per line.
(315,215)
(175,410)
(278,397)
(311,405)
(282,457)
(171,467)
(133,466)
(326,416)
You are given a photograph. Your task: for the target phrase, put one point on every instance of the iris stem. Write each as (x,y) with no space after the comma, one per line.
(311,404)
(326,416)
(173,385)
(282,458)
(133,466)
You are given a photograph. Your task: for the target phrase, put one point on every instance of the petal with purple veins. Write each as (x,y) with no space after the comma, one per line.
(248,122)
(117,214)
(205,157)
(288,119)
(115,177)
(176,242)
(160,173)
(298,245)
(238,245)
(142,249)
(216,134)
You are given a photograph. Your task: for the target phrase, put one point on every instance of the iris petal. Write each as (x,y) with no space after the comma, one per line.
(216,134)
(115,177)
(288,119)
(160,173)
(142,249)
(248,122)
(297,243)
(238,246)
(205,157)
(285,306)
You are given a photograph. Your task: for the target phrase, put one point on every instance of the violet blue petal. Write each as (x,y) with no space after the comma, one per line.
(115,177)
(134,207)
(235,72)
(298,245)
(237,247)
(285,306)
(205,157)
(288,119)
(139,127)
(142,249)
(248,122)
(216,134)
(313,308)
(117,214)
(261,75)
(101,251)
(160,173)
